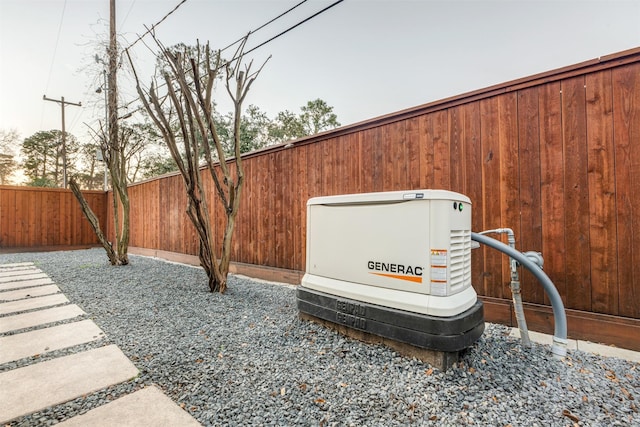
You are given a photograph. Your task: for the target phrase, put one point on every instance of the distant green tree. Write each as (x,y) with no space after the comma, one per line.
(286,126)
(157,164)
(9,141)
(317,116)
(43,156)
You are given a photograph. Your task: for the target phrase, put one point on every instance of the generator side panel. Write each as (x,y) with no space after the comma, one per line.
(382,244)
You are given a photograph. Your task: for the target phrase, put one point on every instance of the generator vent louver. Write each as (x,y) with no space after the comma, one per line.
(460,259)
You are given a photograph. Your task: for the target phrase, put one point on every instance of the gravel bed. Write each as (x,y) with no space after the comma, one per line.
(244,358)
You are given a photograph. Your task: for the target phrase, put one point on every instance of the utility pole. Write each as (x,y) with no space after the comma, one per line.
(62,103)
(112,84)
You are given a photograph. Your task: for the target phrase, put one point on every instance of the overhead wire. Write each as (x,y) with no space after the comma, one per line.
(150,29)
(55,47)
(235,58)
(291,28)
(53,58)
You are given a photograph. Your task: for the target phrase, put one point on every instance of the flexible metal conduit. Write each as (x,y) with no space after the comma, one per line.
(515,285)
(559,346)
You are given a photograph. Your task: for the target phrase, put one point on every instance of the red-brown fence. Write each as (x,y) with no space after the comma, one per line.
(556,157)
(33,217)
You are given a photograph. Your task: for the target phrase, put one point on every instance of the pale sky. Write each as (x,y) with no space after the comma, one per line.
(365,58)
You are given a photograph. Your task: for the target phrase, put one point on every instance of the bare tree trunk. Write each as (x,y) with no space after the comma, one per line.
(93,221)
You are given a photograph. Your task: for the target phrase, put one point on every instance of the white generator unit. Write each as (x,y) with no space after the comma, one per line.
(395,264)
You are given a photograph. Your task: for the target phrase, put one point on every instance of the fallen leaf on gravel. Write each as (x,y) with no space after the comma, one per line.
(612,376)
(569,415)
(626,393)
(585,399)
(344,385)
(472,370)
(302,386)
(428,371)
(433,417)
(319,401)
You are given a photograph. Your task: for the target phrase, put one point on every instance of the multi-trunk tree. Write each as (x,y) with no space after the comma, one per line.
(189,76)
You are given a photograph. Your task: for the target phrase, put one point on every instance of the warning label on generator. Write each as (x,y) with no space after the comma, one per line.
(439,258)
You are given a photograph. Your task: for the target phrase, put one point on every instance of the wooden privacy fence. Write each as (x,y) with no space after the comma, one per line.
(33,217)
(556,157)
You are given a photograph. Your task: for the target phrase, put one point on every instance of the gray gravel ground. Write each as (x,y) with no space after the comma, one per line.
(244,358)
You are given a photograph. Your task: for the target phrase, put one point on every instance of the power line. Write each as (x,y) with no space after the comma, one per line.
(156,24)
(53,58)
(291,28)
(140,38)
(55,48)
(264,25)
(235,58)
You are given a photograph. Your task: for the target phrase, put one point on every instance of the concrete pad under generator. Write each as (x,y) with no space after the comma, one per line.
(27,344)
(28,293)
(146,407)
(35,387)
(40,317)
(25,283)
(32,303)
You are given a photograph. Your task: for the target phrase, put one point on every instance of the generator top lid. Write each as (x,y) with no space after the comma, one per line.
(389,196)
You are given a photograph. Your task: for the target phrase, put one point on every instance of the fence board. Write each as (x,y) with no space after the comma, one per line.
(529,235)
(509,174)
(601,181)
(489,143)
(552,186)
(576,192)
(626,113)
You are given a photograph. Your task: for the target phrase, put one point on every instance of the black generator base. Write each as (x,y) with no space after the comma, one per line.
(441,334)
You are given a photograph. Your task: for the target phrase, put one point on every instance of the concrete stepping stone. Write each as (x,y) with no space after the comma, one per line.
(40,317)
(41,341)
(19,271)
(23,277)
(15,264)
(146,407)
(4,267)
(29,293)
(35,387)
(25,283)
(32,303)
